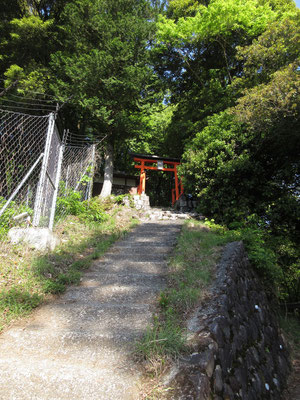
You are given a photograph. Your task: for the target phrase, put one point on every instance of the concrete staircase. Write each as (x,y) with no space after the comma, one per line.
(80,345)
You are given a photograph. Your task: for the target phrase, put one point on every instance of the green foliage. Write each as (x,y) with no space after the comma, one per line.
(17,302)
(28,56)
(273,106)
(149,137)
(72,277)
(13,72)
(215,159)
(291,327)
(245,161)
(93,211)
(219,18)
(6,219)
(53,287)
(262,257)
(274,257)
(123,199)
(103,61)
(161,340)
(59,281)
(272,50)
(70,203)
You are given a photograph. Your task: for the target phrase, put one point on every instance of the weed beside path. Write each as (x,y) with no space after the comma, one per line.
(29,277)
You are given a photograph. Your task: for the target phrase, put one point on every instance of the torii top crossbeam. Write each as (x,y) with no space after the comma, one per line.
(152,162)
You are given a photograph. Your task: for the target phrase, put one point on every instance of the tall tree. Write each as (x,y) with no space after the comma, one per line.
(196,51)
(244,165)
(104,67)
(28,38)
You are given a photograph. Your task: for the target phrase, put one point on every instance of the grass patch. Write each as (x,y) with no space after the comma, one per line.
(28,277)
(161,339)
(16,302)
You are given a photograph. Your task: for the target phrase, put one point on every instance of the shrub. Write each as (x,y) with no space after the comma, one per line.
(274,258)
(70,203)
(93,210)
(6,219)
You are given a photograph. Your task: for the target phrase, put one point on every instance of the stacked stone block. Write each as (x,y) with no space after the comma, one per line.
(141,202)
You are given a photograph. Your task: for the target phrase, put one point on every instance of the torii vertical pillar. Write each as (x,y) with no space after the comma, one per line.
(176,182)
(142,186)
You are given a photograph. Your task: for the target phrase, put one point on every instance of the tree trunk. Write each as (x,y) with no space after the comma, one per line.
(108,171)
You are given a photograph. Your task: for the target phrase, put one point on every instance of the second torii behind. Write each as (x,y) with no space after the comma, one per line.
(158,164)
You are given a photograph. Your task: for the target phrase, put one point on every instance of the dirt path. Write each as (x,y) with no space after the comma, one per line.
(80,345)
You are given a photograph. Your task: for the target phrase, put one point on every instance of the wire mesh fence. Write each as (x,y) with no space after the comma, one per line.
(22,144)
(38,171)
(76,177)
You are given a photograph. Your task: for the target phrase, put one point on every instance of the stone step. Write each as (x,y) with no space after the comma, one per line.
(23,378)
(125,266)
(170,243)
(134,257)
(98,279)
(138,239)
(119,294)
(142,249)
(73,344)
(94,315)
(88,328)
(160,248)
(152,239)
(157,228)
(161,230)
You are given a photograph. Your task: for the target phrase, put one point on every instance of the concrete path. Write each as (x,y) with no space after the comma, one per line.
(80,346)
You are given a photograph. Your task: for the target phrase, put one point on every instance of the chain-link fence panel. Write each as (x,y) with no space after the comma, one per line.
(76,179)
(22,144)
(41,178)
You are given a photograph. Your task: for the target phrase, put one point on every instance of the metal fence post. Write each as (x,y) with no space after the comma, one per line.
(57,178)
(41,184)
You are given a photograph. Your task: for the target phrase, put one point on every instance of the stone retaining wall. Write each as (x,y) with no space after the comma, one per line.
(238,351)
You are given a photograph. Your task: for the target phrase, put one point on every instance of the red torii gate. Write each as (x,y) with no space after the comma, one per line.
(158,164)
